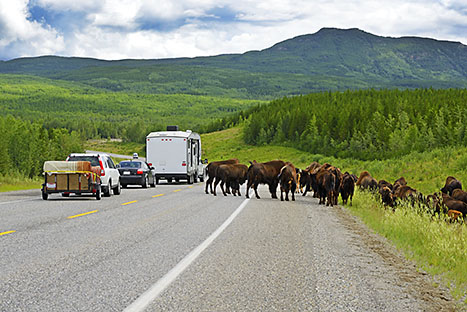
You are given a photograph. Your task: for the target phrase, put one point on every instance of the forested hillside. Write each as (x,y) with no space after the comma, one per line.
(331,59)
(98,113)
(26,145)
(365,124)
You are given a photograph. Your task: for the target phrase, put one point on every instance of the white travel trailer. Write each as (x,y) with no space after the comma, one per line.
(176,155)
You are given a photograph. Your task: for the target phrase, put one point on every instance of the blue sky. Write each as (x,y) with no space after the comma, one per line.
(118,29)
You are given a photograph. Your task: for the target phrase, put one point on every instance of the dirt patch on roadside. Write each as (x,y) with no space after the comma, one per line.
(417,282)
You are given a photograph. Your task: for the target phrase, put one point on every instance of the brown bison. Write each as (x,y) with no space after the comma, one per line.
(460,195)
(386,196)
(288,181)
(383,183)
(398,183)
(454,204)
(347,188)
(264,173)
(211,171)
(406,192)
(366,181)
(450,185)
(230,175)
(326,184)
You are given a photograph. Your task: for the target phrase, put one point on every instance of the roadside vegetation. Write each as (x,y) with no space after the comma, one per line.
(436,245)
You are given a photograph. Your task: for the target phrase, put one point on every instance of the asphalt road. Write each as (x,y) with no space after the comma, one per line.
(174,248)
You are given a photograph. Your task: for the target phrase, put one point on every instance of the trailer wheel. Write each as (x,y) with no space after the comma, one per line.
(45,195)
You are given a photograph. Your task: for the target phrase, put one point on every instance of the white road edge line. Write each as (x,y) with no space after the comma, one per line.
(17,201)
(155,290)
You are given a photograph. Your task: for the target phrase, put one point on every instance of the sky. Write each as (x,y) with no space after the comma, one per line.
(153,29)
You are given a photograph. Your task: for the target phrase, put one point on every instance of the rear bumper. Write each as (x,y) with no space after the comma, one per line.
(182,176)
(132,179)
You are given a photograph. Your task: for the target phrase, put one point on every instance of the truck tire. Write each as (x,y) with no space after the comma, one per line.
(145,182)
(45,195)
(190,179)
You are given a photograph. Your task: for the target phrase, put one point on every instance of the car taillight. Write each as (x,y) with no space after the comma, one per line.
(150,164)
(102,168)
(140,171)
(184,163)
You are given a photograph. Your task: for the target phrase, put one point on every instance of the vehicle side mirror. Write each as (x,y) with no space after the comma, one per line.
(152,168)
(118,166)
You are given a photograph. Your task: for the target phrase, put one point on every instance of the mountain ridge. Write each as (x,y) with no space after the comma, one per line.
(330,59)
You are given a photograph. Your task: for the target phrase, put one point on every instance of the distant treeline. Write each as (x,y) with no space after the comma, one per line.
(366,124)
(25,146)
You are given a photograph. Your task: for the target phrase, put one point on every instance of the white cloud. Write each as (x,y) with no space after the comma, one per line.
(111,29)
(22,36)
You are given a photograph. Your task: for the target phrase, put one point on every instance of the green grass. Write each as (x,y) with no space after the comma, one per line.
(437,246)
(16,183)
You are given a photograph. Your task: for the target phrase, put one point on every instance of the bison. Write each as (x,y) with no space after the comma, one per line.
(264,173)
(460,195)
(367,182)
(384,183)
(288,181)
(454,204)
(230,175)
(326,184)
(450,185)
(386,196)
(211,171)
(347,187)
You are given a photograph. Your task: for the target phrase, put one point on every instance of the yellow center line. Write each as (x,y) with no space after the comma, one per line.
(177,190)
(190,187)
(158,195)
(7,232)
(131,202)
(82,214)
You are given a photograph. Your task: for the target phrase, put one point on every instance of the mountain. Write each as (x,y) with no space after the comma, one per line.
(331,59)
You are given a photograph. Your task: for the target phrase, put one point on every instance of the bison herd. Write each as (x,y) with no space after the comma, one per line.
(452,200)
(328,182)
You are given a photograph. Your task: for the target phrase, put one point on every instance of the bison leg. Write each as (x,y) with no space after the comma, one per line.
(248,185)
(273,189)
(282,196)
(223,189)
(215,186)
(287,195)
(255,187)
(208,183)
(294,187)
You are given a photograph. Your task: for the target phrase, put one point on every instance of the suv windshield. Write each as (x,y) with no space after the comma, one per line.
(130,164)
(92,159)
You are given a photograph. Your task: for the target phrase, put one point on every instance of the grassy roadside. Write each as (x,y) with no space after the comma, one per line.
(16,183)
(438,247)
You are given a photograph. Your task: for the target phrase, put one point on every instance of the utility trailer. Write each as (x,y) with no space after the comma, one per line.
(68,177)
(175,154)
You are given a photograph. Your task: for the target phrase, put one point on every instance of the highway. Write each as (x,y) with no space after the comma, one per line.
(175,248)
